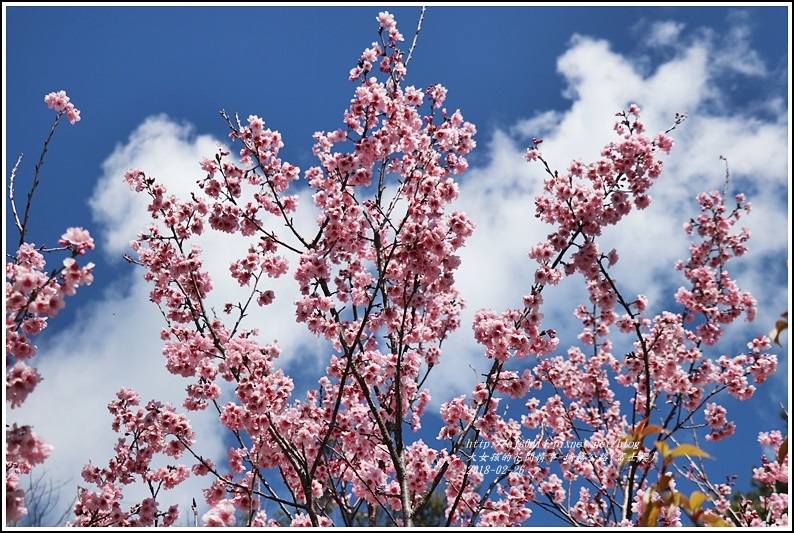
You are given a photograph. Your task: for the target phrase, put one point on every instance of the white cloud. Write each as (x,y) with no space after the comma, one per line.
(166,151)
(735,52)
(170,153)
(664,33)
(598,81)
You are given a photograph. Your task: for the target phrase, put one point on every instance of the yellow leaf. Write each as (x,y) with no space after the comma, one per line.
(688,449)
(664,482)
(650,429)
(696,500)
(780,326)
(714,520)
(650,515)
(642,429)
(663,448)
(679,500)
(628,454)
(635,434)
(782,452)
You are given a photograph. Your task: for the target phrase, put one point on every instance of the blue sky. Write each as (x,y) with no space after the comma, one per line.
(150,81)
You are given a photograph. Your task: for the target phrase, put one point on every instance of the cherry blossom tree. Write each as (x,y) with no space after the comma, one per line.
(603,437)
(33,296)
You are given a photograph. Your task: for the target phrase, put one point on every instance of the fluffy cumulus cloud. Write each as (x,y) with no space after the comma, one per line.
(117,345)
(170,152)
(167,151)
(664,33)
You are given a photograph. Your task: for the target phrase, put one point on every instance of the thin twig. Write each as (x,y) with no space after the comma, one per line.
(416,35)
(727,177)
(11,193)
(24,227)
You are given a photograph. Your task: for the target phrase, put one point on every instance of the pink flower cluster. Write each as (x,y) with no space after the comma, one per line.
(389,25)
(32,297)
(77,240)
(60,102)
(24,450)
(713,294)
(156,429)
(771,507)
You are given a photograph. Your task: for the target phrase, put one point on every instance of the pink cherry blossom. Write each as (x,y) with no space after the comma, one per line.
(60,102)
(57,100)
(20,381)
